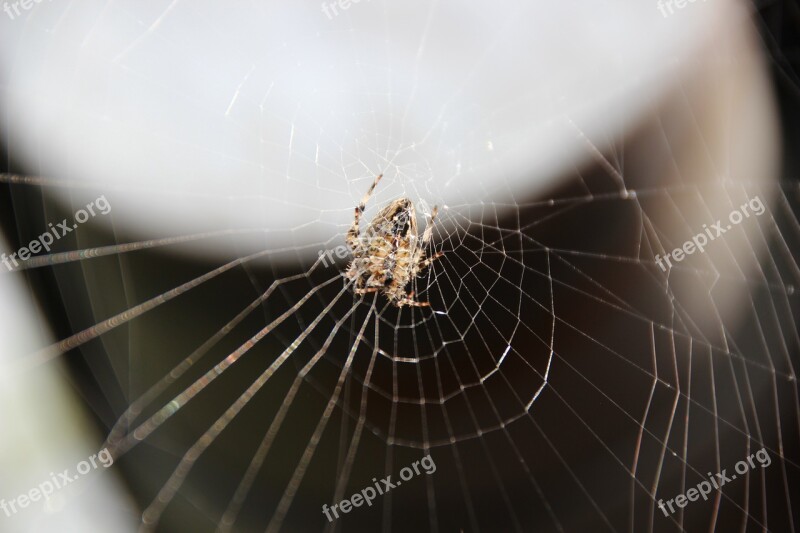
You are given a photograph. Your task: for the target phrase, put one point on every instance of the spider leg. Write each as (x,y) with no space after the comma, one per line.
(424,264)
(367,290)
(412,303)
(352,234)
(429,229)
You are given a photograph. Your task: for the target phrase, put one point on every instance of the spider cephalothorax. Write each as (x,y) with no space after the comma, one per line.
(390,254)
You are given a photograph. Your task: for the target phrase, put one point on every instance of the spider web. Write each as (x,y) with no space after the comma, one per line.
(560,379)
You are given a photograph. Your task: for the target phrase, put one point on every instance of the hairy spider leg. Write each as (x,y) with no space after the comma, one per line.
(429,229)
(353,233)
(367,290)
(410,301)
(424,264)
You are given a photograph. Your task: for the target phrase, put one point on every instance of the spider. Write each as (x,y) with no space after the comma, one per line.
(390,254)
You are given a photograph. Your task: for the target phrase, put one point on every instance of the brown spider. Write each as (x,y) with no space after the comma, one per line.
(390,254)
